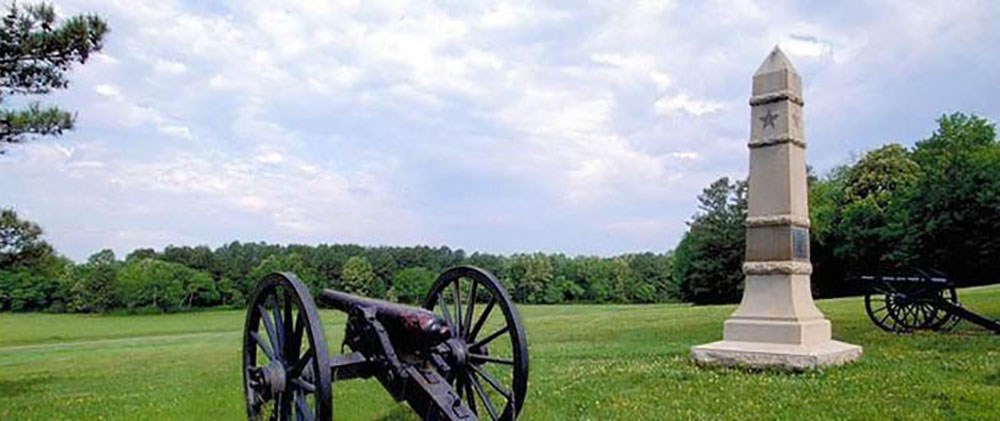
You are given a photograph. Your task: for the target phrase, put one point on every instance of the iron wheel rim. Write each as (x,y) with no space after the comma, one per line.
(476,381)
(304,371)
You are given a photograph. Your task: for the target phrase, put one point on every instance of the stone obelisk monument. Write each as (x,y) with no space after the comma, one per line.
(777,324)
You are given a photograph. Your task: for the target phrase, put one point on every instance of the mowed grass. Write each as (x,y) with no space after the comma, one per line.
(587,362)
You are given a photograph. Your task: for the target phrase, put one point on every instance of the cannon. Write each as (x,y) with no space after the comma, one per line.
(462,356)
(917,300)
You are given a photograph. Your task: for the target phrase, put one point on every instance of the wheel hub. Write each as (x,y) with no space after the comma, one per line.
(275,377)
(459,351)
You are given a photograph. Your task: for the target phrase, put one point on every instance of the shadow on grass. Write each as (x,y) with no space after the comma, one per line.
(992,379)
(12,388)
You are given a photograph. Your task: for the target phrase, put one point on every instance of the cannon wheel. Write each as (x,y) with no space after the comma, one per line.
(884,309)
(286,371)
(945,321)
(494,372)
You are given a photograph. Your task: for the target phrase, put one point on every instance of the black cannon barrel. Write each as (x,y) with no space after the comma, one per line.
(416,323)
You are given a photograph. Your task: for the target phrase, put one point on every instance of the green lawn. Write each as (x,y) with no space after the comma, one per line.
(587,362)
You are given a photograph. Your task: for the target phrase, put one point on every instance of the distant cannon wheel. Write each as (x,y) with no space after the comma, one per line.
(945,321)
(882,304)
(914,305)
(286,371)
(489,347)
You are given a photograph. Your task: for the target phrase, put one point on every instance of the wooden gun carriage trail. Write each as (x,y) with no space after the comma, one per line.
(462,356)
(918,300)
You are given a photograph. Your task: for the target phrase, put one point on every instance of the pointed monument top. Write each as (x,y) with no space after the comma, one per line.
(774,62)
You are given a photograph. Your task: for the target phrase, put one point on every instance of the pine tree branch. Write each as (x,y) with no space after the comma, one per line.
(18,125)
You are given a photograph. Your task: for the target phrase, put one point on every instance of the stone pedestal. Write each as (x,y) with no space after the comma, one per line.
(777,323)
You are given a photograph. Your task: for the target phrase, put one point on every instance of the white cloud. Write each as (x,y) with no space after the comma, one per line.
(671,105)
(110,91)
(176,131)
(170,67)
(270,157)
(635,66)
(320,121)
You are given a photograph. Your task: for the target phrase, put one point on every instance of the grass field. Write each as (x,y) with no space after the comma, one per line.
(587,362)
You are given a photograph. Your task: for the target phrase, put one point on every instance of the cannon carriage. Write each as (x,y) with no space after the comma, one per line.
(917,300)
(462,356)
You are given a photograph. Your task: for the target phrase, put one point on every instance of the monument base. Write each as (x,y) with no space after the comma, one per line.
(773,355)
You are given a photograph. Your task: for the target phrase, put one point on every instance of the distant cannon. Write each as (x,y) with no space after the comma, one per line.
(918,300)
(450,360)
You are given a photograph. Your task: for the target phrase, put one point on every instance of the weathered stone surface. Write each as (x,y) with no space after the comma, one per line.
(781,356)
(777,323)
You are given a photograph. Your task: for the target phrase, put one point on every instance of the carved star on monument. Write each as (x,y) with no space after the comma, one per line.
(768,119)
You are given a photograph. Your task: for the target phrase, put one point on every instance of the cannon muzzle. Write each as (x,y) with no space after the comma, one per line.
(410,321)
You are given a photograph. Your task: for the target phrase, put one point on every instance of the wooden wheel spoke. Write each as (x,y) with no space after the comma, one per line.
(490,359)
(305,385)
(470,397)
(301,364)
(286,405)
(302,408)
(489,338)
(492,381)
(446,314)
(263,346)
(291,343)
(269,327)
(884,318)
(300,325)
(482,319)
(469,310)
(487,403)
(457,286)
(278,323)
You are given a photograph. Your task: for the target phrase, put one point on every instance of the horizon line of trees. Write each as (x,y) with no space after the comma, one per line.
(178,278)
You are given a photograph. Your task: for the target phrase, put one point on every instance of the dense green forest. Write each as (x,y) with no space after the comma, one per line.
(935,205)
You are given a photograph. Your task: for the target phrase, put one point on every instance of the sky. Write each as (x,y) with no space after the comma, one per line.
(502,127)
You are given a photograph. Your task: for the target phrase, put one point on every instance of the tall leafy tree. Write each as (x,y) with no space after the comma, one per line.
(21,241)
(412,284)
(164,286)
(36,51)
(954,211)
(286,262)
(868,226)
(359,277)
(708,262)
(531,275)
(96,286)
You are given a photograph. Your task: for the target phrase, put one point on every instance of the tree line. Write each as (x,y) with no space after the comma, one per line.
(34,278)
(935,205)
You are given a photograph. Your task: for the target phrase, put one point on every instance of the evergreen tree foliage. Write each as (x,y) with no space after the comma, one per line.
(707,265)
(36,51)
(21,241)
